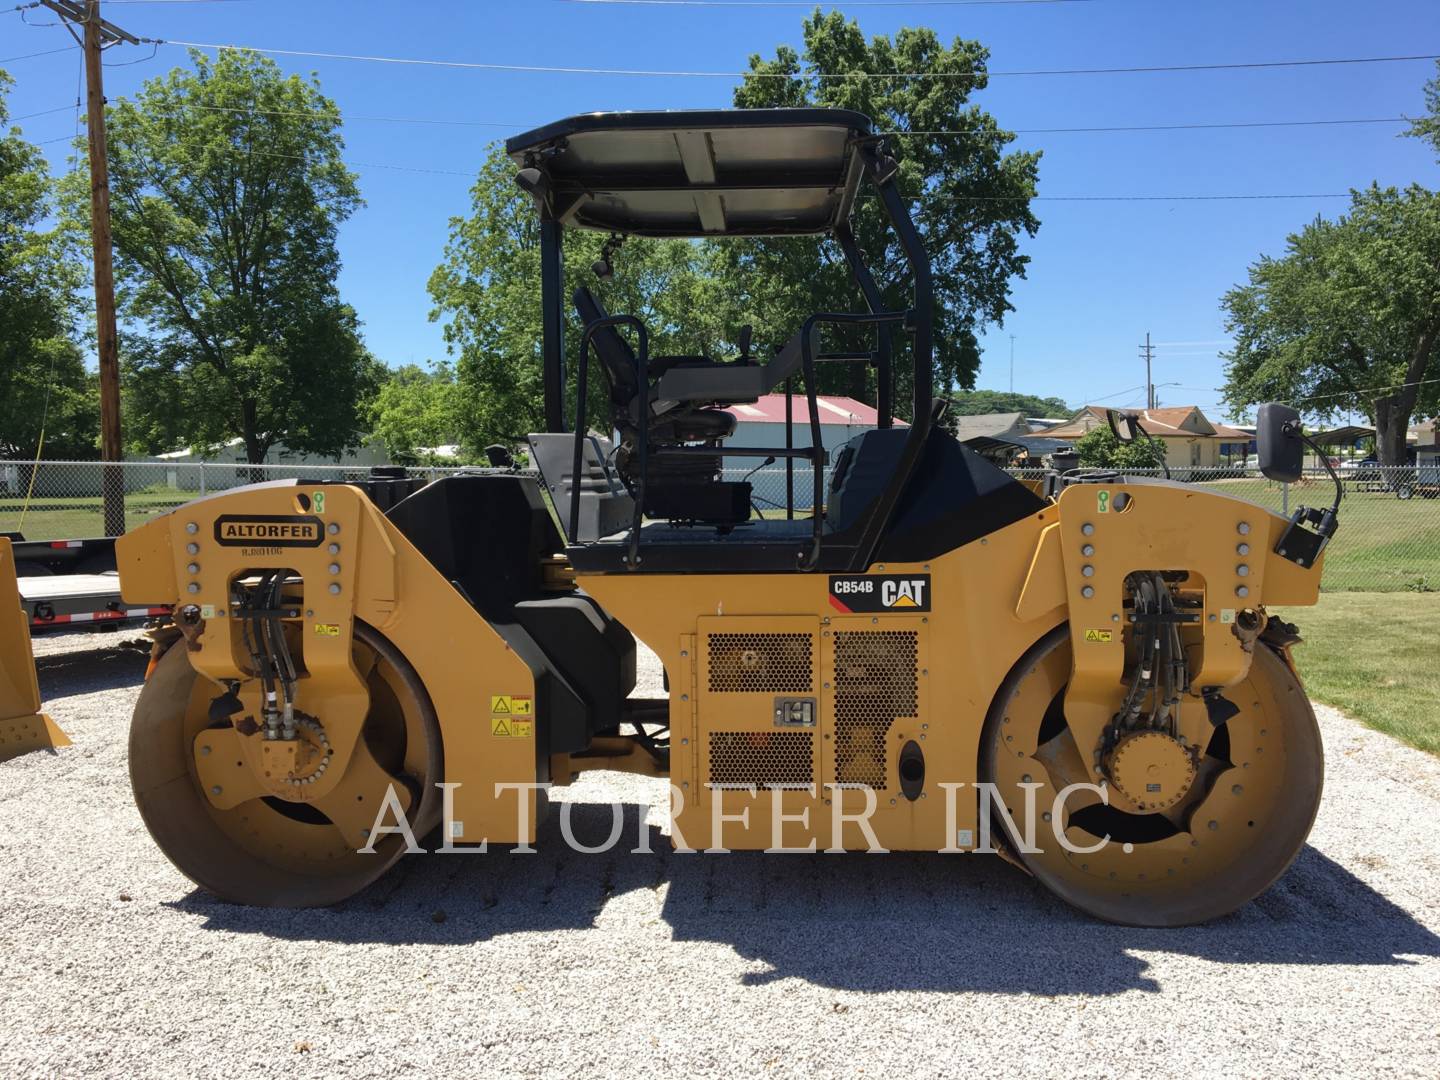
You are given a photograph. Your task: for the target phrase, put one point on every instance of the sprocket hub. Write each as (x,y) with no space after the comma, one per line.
(1152,769)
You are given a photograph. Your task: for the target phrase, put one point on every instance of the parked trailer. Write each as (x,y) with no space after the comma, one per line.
(72,582)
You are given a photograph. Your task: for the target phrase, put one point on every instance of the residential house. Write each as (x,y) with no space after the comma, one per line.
(1190,440)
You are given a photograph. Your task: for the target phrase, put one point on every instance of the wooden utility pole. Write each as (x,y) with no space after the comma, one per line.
(95,35)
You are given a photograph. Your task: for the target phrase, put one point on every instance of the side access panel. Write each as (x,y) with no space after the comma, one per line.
(757,695)
(814,713)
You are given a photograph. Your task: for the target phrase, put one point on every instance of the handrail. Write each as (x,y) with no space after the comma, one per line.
(581,392)
(921,327)
(807,363)
(874,300)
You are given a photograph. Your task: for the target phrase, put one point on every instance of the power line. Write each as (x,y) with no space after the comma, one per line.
(43,112)
(1118,393)
(644,72)
(1362,393)
(800,3)
(1119,198)
(520,126)
(31,56)
(1357,393)
(918,198)
(1163,127)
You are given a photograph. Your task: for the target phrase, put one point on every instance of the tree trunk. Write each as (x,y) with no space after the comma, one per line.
(1391,423)
(255,447)
(1393,411)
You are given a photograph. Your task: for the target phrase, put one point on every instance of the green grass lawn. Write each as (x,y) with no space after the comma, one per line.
(75,517)
(1373,657)
(1384,544)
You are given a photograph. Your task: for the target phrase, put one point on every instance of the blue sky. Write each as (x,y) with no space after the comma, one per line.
(1102,273)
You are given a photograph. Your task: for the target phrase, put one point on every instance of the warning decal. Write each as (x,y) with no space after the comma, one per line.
(1098,635)
(512,705)
(511,728)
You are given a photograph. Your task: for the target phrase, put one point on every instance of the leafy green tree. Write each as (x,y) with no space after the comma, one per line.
(487,292)
(972,198)
(1347,319)
(43,383)
(227,190)
(1100,449)
(1427,127)
(416,410)
(981,402)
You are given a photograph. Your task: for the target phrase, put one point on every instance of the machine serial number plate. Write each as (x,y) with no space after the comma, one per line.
(880,592)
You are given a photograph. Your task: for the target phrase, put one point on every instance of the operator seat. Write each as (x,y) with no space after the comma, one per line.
(623,376)
(688,488)
(693,380)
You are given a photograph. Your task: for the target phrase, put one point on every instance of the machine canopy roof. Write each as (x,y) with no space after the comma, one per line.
(732,172)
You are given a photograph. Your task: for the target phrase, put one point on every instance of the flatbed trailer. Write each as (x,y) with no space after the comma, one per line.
(73,599)
(72,582)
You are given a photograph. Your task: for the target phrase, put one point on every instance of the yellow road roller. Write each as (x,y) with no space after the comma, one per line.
(916,652)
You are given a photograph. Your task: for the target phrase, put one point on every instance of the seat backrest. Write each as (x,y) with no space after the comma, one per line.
(787,362)
(612,348)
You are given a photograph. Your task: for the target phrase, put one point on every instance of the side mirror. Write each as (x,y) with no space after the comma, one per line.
(499,456)
(1124,425)
(1277,438)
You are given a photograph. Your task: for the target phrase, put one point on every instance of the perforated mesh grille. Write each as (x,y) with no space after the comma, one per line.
(760,663)
(875,682)
(762,757)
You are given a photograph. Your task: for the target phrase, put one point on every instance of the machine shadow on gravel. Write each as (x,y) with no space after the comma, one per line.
(90,671)
(858,922)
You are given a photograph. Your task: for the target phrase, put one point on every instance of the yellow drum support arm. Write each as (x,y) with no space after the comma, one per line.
(23,727)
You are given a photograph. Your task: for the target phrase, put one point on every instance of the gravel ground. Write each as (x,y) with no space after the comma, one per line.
(625,965)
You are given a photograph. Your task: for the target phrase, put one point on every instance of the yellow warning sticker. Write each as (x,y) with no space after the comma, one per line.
(512,705)
(1098,635)
(510,728)
(327,629)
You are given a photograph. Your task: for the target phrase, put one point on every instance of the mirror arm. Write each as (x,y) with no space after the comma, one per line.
(1295,429)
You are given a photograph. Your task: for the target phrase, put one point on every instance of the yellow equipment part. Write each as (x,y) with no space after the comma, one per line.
(392,686)
(23,727)
(793,713)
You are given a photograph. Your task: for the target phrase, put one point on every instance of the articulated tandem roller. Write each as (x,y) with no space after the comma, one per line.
(1151,754)
(914,652)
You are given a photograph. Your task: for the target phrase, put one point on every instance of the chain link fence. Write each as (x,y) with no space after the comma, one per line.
(1388,540)
(65,500)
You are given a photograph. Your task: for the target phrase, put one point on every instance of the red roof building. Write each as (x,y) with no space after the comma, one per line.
(848,412)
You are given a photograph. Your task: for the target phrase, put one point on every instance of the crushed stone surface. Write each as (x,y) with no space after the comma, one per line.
(566,965)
